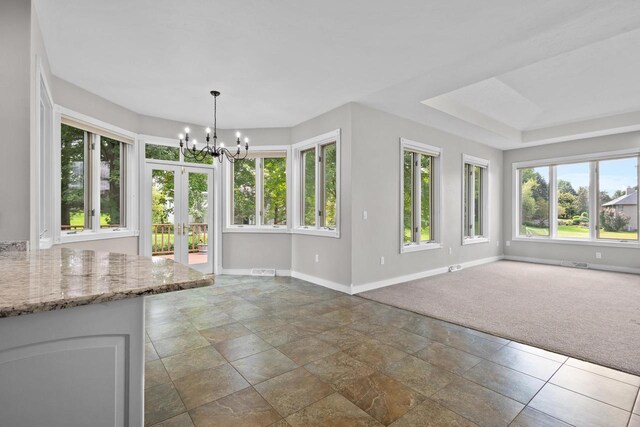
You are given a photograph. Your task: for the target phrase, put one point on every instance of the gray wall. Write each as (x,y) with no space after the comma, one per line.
(376,189)
(615,256)
(15,118)
(334,253)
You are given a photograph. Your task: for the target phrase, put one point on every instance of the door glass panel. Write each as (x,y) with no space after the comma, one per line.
(197,225)
(72,179)
(162,213)
(111,209)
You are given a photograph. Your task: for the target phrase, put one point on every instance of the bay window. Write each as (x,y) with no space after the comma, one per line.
(316,185)
(475,189)
(258,190)
(420,196)
(592,198)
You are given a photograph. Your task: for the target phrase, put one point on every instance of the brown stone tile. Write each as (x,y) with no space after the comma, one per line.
(343,337)
(366,327)
(634,421)
(510,383)
(478,404)
(526,363)
(169,329)
(182,420)
(155,374)
(539,352)
(244,408)
(576,409)
(283,334)
(150,352)
(393,317)
(430,414)
(529,417)
(192,361)
(263,366)
(605,372)
(257,324)
(225,332)
(244,346)
(246,311)
(636,408)
(448,358)
(375,354)
(315,325)
(348,301)
(487,336)
(403,340)
(209,385)
(607,390)
(306,350)
(343,316)
(281,423)
(466,342)
(420,375)
(335,411)
(179,344)
(382,397)
(210,320)
(292,391)
(161,403)
(338,368)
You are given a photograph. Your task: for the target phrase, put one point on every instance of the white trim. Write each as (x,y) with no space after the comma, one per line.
(436,195)
(297,148)
(347,289)
(247,272)
(420,275)
(603,267)
(95,122)
(475,240)
(630,244)
(99,235)
(485,199)
(476,161)
(580,158)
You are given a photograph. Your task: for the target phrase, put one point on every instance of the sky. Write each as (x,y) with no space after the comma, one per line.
(614,174)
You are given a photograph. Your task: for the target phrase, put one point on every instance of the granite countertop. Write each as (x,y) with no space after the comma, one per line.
(53,279)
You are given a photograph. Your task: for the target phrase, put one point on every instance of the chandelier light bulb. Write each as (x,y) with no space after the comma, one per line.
(246,140)
(195,141)
(181,136)
(237,134)
(222,145)
(208,130)
(186,130)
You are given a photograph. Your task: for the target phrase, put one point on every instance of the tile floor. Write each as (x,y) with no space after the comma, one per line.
(283,352)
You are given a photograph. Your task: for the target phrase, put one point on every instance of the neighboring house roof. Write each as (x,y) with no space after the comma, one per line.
(627,199)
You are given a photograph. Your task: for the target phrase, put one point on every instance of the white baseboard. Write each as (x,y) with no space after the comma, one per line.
(356,289)
(322,282)
(247,272)
(604,267)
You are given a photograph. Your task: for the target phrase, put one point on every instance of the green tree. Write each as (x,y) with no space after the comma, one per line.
(244,192)
(581,204)
(566,205)
(275,190)
(71,173)
(565,187)
(330,185)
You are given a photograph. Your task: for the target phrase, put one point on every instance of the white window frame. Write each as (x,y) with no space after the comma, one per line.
(436,195)
(130,181)
(484,198)
(229,227)
(552,163)
(316,142)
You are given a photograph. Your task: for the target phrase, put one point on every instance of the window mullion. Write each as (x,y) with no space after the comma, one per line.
(95,183)
(594,200)
(553,202)
(259,191)
(319,184)
(417,198)
(471,202)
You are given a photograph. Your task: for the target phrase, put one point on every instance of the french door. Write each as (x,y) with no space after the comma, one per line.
(179,214)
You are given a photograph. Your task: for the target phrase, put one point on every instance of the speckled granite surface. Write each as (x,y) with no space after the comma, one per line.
(13,245)
(53,279)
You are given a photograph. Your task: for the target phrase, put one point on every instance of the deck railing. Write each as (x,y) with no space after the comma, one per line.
(162,238)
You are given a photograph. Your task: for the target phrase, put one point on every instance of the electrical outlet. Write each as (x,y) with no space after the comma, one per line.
(598,255)
(317,258)
(364,215)
(381,260)
(508,243)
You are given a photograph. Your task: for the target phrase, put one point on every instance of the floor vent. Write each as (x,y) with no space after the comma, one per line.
(574,264)
(453,268)
(263,272)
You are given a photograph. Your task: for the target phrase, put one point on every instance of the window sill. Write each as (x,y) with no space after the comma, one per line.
(100,235)
(421,247)
(256,229)
(469,241)
(320,232)
(605,243)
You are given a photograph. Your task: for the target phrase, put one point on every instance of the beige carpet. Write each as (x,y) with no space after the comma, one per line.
(588,314)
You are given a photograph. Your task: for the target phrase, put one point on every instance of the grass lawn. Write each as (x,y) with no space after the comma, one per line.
(577,231)
(77,219)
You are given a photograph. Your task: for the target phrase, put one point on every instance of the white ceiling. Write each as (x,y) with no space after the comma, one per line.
(523,64)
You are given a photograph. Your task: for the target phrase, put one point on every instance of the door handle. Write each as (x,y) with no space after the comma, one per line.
(185,229)
(177,228)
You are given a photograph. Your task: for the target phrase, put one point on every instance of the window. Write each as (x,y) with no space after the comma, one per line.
(590,198)
(93,180)
(161,152)
(474,200)
(316,182)
(258,190)
(420,196)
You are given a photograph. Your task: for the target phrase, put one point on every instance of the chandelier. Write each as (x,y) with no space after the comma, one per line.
(215,150)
